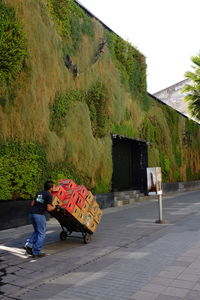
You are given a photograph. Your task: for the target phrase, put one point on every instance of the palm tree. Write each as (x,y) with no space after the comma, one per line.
(193,89)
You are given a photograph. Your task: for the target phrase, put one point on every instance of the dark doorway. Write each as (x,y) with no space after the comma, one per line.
(129,164)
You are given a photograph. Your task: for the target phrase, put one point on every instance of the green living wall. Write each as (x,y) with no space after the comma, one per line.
(66,83)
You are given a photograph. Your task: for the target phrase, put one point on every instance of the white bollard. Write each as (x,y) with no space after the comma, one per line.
(160,208)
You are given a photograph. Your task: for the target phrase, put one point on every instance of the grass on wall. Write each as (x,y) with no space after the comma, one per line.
(90,156)
(13,43)
(72,117)
(22,168)
(72,23)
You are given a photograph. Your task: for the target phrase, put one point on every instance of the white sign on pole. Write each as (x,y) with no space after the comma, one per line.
(154,180)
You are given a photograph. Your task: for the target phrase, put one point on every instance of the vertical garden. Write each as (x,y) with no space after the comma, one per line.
(66,83)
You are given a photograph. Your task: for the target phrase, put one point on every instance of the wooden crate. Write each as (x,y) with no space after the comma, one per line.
(98,215)
(76,212)
(88,218)
(56,201)
(92,226)
(81,189)
(89,197)
(85,207)
(67,183)
(81,217)
(60,192)
(69,204)
(80,201)
(94,207)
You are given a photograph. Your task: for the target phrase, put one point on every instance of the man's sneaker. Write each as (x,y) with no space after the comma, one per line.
(28,250)
(42,254)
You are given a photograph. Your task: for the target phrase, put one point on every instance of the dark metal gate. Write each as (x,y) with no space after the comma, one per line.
(130,161)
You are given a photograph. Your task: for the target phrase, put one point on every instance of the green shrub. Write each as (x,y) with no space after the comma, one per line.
(189,174)
(145,102)
(12,44)
(177,154)
(102,187)
(190,134)
(130,62)
(71,21)
(172,116)
(60,171)
(22,169)
(165,164)
(126,129)
(8,94)
(60,11)
(150,130)
(96,100)
(177,175)
(76,32)
(87,27)
(60,107)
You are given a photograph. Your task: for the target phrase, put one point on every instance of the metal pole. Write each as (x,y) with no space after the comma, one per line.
(160,207)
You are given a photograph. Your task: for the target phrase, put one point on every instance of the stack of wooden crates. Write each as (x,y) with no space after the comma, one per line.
(79,202)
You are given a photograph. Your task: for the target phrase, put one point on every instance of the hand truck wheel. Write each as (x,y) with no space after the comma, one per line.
(63,235)
(87,238)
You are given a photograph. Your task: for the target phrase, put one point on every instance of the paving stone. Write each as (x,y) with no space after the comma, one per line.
(172,291)
(7,289)
(167,274)
(193,295)
(6,298)
(181,263)
(10,270)
(23,272)
(183,284)
(153,287)
(162,281)
(196,287)
(8,278)
(186,258)
(188,277)
(23,282)
(177,269)
(34,295)
(167,297)
(141,295)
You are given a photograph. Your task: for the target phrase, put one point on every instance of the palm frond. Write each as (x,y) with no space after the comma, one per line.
(196,60)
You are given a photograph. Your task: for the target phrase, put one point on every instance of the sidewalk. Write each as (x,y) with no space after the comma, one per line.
(129,257)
